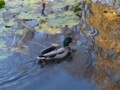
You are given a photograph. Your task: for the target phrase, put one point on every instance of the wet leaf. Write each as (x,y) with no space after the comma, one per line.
(2,10)
(50,30)
(55,44)
(67,13)
(58,6)
(19,9)
(4,55)
(20,31)
(10,23)
(13,3)
(1,21)
(61,22)
(39,28)
(51,16)
(72,2)
(28,16)
(47,29)
(2,44)
(21,49)
(28,2)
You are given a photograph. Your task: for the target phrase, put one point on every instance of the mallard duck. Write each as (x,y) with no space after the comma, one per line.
(56,52)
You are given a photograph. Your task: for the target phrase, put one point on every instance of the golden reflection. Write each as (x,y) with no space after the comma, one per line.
(107,21)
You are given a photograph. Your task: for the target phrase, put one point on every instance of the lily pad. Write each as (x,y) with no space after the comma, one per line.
(20,31)
(2,44)
(28,16)
(4,55)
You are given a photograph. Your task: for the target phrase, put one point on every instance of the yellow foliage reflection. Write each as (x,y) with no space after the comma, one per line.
(107,21)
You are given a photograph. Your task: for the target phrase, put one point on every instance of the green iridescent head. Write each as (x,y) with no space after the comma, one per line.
(67,41)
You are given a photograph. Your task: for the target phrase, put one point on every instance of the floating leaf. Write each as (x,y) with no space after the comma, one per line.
(19,9)
(67,13)
(58,6)
(2,10)
(20,31)
(28,16)
(55,22)
(48,29)
(2,44)
(3,30)
(55,44)
(10,23)
(14,3)
(4,55)
(51,16)
(30,1)
(39,28)
(58,22)
(1,21)
(1,35)
(72,2)
(21,49)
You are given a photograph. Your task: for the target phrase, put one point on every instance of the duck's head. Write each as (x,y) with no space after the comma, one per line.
(67,41)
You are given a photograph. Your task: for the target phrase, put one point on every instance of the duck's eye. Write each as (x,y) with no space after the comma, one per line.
(104,11)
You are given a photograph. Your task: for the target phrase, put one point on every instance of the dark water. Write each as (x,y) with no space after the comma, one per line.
(20,72)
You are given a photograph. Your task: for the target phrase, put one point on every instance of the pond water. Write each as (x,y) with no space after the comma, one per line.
(20,72)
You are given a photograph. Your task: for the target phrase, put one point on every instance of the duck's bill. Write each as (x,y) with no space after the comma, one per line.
(73,41)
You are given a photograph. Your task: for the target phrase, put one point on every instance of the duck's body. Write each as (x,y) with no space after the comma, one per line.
(54,52)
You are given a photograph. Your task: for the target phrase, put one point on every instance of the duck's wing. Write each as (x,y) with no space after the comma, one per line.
(55,52)
(49,49)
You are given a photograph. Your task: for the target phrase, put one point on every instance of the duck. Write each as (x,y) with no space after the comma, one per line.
(56,52)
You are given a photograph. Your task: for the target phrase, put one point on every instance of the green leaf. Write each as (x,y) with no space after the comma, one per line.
(51,16)
(39,28)
(72,2)
(71,23)
(58,6)
(19,9)
(30,1)
(28,16)
(3,30)
(2,44)
(58,22)
(10,23)
(67,13)
(20,31)
(4,55)
(1,21)
(14,3)
(55,44)
(55,22)
(21,49)
(2,10)
(2,3)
